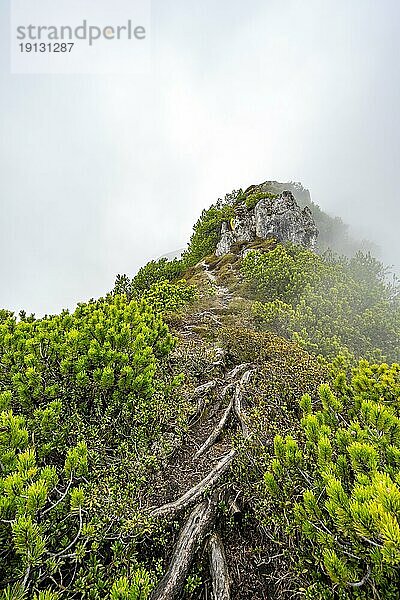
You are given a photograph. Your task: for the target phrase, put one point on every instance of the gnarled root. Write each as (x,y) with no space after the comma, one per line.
(200,393)
(196,527)
(220,355)
(218,429)
(238,403)
(203,389)
(238,370)
(195,492)
(219,569)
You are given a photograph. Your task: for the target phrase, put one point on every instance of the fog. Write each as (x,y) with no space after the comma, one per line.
(99,174)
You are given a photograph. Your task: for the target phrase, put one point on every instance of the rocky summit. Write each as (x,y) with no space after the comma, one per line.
(263,215)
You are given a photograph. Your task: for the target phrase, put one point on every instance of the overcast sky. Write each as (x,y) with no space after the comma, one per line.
(99,174)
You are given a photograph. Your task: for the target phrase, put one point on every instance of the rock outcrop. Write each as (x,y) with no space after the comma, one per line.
(273,216)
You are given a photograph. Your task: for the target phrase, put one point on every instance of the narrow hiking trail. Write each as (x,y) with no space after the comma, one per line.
(190,483)
(206,442)
(193,478)
(236,380)
(218,298)
(223,295)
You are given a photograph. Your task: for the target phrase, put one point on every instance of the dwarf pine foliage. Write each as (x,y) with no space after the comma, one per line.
(337,483)
(326,303)
(83,399)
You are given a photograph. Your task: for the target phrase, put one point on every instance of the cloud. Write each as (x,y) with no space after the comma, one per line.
(100,174)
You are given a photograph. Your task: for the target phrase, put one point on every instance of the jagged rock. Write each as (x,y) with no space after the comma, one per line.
(283,219)
(244,229)
(278,217)
(227,239)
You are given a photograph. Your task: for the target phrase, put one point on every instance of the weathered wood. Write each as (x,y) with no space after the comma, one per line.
(196,527)
(238,403)
(219,569)
(216,432)
(195,492)
(238,369)
(220,357)
(200,393)
(235,509)
(202,389)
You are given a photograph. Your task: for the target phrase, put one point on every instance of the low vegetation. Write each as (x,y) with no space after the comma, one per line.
(214,427)
(334,486)
(327,304)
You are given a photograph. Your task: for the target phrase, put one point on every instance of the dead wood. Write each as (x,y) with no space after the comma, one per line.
(193,532)
(219,569)
(238,407)
(200,393)
(238,370)
(203,389)
(218,429)
(195,492)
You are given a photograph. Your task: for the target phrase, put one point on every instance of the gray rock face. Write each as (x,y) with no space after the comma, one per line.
(244,225)
(278,217)
(227,239)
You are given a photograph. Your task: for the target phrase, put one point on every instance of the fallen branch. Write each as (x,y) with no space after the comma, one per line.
(196,491)
(238,369)
(202,389)
(218,429)
(238,403)
(196,527)
(219,569)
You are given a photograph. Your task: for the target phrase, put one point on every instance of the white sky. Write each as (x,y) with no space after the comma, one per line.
(99,174)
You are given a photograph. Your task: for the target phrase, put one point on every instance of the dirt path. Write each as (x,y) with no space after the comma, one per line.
(191,482)
(193,476)
(223,294)
(184,468)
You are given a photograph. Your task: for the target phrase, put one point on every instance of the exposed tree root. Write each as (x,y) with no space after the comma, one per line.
(219,569)
(206,387)
(195,492)
(196,527)
(238,370)
(219,357)
(209,315)
(218,429)
(200,393)
(238,403)
(202,517)
(246,376)
(234,508)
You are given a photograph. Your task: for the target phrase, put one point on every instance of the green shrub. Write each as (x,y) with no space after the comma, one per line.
(206,232)
(164,296)
(337,484)
(83,400)
(254,198)
(282,273)
(153,272)
(326,304)
(137,588)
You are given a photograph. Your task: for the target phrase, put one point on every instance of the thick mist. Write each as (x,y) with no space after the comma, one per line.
(99,174)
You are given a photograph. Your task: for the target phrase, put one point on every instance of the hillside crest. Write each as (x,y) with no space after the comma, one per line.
(262,213)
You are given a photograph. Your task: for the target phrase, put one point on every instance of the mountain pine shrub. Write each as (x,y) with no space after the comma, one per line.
(336,485)
(84,401)
(326,303)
